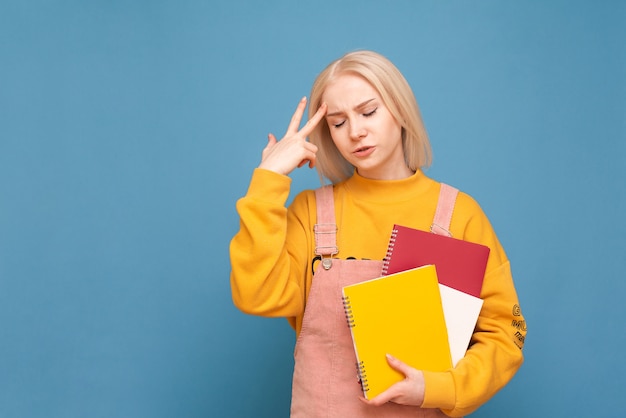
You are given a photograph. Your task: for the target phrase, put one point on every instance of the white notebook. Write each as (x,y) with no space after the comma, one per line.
(461,312)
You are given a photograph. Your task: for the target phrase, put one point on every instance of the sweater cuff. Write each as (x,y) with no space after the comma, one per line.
(439,390)
(269,186)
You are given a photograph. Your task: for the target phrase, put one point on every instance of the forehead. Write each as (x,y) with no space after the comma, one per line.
(348,90)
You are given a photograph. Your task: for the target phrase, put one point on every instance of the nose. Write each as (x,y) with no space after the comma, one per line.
(357,130)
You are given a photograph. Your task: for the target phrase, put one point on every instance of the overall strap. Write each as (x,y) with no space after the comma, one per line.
(445,207)
(326,228)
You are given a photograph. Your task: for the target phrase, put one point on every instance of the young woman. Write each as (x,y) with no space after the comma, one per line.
(367,138)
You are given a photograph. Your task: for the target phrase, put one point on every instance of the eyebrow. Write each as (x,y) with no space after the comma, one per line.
(360,105)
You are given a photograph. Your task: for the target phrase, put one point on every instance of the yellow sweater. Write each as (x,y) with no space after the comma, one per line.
(272,258)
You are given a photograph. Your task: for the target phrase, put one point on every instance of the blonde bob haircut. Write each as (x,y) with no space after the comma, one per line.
(397,96)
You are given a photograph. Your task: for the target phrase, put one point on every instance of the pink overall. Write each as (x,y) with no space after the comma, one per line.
(325,381)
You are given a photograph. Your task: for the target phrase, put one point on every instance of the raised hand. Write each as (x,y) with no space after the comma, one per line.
(293,150)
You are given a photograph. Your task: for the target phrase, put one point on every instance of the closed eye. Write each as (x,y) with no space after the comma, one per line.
(368,114)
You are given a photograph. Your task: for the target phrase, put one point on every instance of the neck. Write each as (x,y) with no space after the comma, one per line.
(395,173)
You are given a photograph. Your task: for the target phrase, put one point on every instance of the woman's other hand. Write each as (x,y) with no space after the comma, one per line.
(409,391)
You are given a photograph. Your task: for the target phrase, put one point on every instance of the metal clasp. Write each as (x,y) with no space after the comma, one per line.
(439,230)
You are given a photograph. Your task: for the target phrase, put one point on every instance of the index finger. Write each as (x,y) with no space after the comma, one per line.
(383,397)
(312,123)
(297,117)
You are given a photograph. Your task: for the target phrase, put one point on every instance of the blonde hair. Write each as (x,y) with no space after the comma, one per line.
(397,96)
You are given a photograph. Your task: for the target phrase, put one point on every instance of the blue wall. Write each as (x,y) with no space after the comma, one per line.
(128,129)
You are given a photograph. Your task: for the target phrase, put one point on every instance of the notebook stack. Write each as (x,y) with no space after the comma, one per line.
(422,309)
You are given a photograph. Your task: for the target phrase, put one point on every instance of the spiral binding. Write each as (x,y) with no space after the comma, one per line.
(348,310)
(360,370)
(387,259)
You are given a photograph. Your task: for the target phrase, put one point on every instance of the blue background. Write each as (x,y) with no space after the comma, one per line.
(128,130)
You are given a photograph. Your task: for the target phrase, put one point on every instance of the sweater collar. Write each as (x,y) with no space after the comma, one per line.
(384,190)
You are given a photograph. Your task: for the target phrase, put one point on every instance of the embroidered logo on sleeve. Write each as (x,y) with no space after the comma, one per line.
(519,327)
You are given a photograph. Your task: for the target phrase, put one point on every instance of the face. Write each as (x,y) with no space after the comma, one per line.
(363,129)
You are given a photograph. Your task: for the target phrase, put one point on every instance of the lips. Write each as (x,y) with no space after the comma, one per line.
(363,151)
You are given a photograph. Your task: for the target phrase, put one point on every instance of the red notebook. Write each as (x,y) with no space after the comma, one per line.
(460,264)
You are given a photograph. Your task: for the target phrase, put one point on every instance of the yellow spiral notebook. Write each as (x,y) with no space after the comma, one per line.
(400,314)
